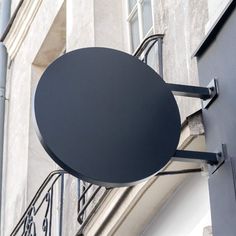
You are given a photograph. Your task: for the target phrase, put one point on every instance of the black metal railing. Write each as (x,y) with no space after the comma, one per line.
(153,42)
(39,217)
(86,201)
(43,199)
(97,197)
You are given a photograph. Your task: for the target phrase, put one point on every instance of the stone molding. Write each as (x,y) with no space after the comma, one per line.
(21,25)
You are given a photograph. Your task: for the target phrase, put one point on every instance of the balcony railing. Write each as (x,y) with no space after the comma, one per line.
(44,215)
(29,224)
(152,45)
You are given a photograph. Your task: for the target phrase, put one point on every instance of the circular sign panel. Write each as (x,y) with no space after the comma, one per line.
(106,117)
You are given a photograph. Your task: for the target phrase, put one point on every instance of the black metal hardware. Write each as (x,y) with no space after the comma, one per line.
(27,223)
(190,91)
(177,172)
(207,94)
(163,173)
(82,211)
(83,195)
(146,46)
(146,42)
(213,85)
(186,155)
(221,159)
(42,204)
(92,211)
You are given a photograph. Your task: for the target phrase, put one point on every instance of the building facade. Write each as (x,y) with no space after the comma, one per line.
(40,31)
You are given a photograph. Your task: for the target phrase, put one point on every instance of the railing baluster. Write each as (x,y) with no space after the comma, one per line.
(80,220)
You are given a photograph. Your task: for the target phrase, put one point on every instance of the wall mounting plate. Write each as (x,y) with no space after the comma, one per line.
(222,156)
(213,86)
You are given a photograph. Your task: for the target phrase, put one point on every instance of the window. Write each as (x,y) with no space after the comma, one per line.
(140,21)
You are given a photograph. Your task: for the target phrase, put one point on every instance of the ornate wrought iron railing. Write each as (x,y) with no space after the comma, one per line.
(39,217)
(43,199)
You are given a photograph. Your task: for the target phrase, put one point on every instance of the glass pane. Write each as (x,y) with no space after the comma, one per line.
(131,4)
(147,16)
(134,31)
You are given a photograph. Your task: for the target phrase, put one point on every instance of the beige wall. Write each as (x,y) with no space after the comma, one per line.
(101,26)
(183,24)
(185,213)
(20,179)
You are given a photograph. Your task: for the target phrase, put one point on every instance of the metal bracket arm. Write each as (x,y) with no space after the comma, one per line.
(190,91)
(185,155)
(207,94)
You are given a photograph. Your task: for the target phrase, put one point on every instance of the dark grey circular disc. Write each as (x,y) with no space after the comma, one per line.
(106,117)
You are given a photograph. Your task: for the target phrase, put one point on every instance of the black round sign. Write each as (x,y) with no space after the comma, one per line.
(106,117)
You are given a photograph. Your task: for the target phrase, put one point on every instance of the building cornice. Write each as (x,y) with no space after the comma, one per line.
(20,26)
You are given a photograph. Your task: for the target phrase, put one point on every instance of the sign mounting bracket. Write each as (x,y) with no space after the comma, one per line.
(207,94)
(215,160)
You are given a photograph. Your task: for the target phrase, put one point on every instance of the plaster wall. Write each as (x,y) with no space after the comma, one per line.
(183,25)
(16,194)
(95,23)
(108,21)
(70,224)
(80,24)
(179,216)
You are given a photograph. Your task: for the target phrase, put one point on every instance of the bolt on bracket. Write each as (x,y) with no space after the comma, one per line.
(207,94)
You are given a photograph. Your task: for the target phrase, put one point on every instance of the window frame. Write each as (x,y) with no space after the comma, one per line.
(137,8)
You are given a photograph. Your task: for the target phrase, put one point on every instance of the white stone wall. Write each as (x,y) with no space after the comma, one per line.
(95,23)
(183,25)
(186,213)
(21,178)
